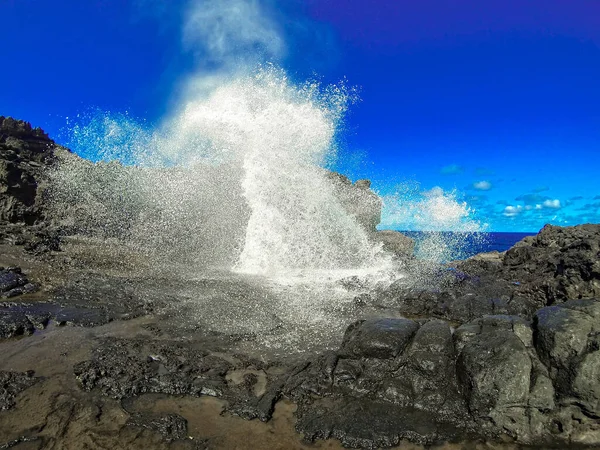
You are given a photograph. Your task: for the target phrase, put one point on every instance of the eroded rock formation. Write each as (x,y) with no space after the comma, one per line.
(396,379)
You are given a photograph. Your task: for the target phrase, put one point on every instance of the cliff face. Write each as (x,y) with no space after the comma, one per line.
(358,200)
(25,153)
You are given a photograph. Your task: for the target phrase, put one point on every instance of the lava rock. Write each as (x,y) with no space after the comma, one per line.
(13,282)
(82,317)
(557,265)
(430,370)
(472,305)
(18,319)
(12,384)
(14,323)
(25,154)
(171,427)
(495,369)
(97,300)
(44,241)
(395,242)
(499,375)
(363,184)
(568,342)
(378,338)
(369,424)
(400,383)
(123,368)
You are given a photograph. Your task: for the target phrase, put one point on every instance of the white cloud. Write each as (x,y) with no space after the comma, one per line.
(552,204)
(482,185)
(513,211)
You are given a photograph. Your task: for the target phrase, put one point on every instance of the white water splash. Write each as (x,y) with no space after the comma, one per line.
(249,156)
(447,222)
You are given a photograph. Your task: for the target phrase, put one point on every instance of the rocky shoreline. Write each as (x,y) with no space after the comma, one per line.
(500,350)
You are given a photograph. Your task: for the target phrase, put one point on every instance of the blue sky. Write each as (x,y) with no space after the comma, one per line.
(498,100)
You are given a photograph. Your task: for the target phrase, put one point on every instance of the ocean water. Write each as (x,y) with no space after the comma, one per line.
(448,246)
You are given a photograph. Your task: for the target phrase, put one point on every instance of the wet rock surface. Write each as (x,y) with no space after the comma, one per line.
(91,302)
(557,265)
(358,200)
(170,426)
(124,368)
(370,400)
(12,384)
(497,375)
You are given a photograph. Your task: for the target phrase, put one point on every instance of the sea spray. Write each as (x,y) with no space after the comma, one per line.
(226,199)
(448,223)
(242,164)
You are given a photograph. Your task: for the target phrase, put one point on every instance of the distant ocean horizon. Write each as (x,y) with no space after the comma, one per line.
(461,245)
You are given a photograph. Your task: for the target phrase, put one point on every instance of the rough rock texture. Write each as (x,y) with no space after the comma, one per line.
(172,427)
(378,338)
(88,302)
(523,361)
(122,368)
(24,154)
(558,264)
(395,242)
(12,384)
(13,282)
(568,342)
(370,399)
(358,200)
(498,375)
(17,319)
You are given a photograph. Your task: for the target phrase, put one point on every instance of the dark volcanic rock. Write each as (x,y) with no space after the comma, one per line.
(557,265)
(172,427)
(97,300)
(495,367)
(378,338)
(346,420)
(399,383)
(93,302)
(358,200)
(14,323)
(537,383)
(568,341)
(13,282)
(42,241)
(25,153)
(124,368)
(18,319)
(12,384)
